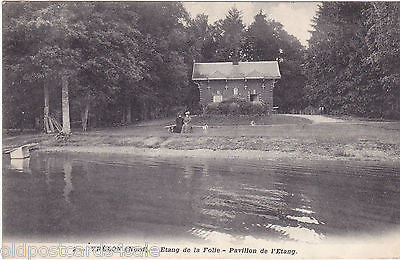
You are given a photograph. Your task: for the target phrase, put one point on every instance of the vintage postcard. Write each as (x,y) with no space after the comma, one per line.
(204,130)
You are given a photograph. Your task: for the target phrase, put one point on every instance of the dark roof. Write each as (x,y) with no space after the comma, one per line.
(226,70)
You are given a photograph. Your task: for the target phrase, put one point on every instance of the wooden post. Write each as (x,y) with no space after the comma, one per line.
(85,114)
(51,124)
(85,117)
(65,105)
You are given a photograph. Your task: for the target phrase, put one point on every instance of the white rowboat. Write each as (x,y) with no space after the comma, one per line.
(21,152)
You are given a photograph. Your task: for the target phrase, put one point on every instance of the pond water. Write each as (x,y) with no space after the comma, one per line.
(62,195)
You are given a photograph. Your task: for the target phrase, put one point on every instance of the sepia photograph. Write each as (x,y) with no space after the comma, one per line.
(202,130)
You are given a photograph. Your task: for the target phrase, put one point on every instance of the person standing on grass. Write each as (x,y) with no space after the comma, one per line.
(178,123)
(186,123)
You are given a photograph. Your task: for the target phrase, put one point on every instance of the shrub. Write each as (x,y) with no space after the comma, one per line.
(246,108)
(235,106)
(258,109)
(223,108)
(212,109)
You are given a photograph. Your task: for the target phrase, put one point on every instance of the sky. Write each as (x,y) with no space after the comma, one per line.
(294,16)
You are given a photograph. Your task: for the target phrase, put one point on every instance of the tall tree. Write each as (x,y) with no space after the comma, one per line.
(383,59)
(113,63)
(352,62)
(200,43)
(289,91)
(334,57)
(229,36)
(90,45)
(266,40)
(163,51)
(262,39)
(53,31)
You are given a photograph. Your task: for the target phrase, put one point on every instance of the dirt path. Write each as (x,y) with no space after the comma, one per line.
(318,119)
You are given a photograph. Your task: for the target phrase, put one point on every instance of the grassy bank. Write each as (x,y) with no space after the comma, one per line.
(378,141)
(234,120)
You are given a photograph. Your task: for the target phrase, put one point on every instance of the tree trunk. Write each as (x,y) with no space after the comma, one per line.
(67,179)
(46,109)
(144,112)
(123,119)
(65,105)
(85,117)
(129,113)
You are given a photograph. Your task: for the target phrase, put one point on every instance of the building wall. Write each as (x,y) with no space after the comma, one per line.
(209,89)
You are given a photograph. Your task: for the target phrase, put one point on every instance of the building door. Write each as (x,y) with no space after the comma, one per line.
(217,97)
(254,98)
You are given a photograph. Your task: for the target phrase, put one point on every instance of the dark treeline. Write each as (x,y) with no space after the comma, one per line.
(123,61)
(118,62)
(353,60)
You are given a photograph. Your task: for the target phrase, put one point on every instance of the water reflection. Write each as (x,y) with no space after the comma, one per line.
(84,196)
(67,178)
(46,171)
(20,165)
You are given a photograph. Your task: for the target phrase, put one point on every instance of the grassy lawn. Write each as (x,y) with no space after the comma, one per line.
(232,120)
(294,137)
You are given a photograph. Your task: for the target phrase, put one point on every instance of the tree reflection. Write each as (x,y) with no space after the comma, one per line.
(68,180)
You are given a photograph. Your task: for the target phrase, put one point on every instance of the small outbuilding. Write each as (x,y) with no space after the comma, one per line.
(253,81)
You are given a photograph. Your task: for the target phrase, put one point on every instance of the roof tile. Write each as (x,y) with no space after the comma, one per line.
(226,70)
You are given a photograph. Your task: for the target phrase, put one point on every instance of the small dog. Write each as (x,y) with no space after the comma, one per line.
(205,128)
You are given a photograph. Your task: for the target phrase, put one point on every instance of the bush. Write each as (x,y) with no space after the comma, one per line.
(212,109)
(223,108)
(235,106)
(250,108)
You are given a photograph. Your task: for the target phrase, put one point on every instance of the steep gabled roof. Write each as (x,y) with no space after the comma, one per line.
(254,73)
(227,70)
(236,72)
(217,74)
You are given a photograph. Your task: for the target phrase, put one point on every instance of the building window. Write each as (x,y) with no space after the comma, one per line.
(235,91)
(217,98)
(254,98)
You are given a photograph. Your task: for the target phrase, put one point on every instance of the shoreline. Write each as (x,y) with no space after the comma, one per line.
(241,154)
(353,142)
